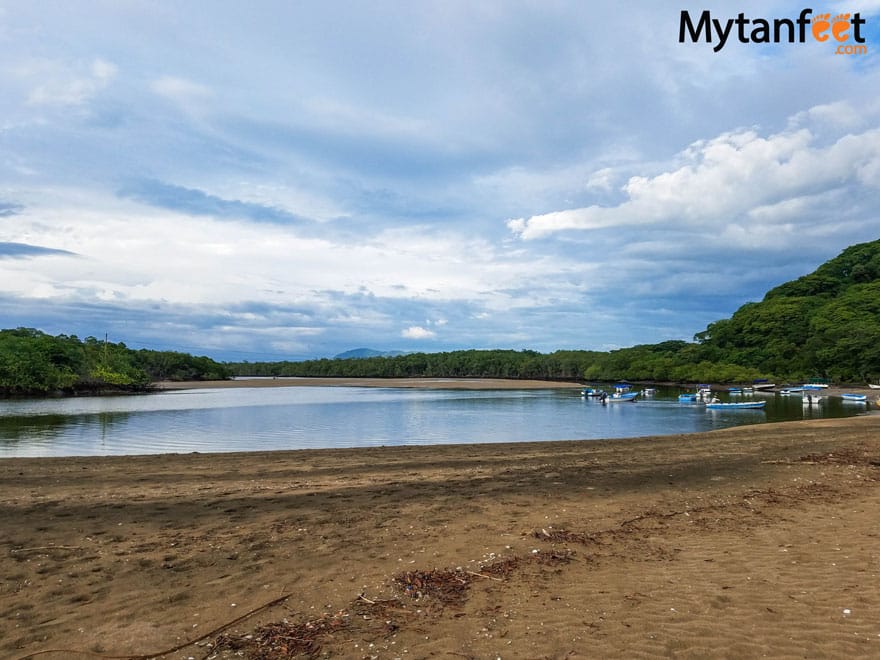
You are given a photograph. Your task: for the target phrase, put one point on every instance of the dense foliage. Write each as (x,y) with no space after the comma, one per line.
(34,362)
(825,324)
(669,361)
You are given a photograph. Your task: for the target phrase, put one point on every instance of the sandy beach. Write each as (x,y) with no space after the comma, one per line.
(758,541)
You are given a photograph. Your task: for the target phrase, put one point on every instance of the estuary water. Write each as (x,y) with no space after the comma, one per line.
(250,419)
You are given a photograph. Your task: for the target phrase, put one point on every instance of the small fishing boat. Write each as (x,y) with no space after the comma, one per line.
(811,399)
(738,405)
(591,391)
(873,386)
(790,391)
(687,396)
(649,391)
(620,397)
(734,391)
(854,398)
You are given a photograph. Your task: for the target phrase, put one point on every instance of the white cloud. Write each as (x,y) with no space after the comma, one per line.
(59,83)
(418,332)
(840,114)
(737,176)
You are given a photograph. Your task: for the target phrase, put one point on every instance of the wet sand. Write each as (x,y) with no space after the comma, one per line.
(747,542)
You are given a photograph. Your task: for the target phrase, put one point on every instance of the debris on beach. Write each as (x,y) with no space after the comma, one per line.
(281,640)
(446,586)
(563,536)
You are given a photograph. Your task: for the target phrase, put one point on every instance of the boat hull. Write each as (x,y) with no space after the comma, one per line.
(622,398)
(742,405)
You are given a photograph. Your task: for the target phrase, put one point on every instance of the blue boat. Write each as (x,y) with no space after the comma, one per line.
(687,396)
(621,397)
(740,405)
(854,398)
(591,391)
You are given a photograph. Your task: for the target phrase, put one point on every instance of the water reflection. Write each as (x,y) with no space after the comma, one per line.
(246,419)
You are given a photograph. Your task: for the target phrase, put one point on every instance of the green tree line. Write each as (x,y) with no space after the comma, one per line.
(676,361)
(33,362)
(825,324)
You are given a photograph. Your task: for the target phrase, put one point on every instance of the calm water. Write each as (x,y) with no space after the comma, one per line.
(244,419)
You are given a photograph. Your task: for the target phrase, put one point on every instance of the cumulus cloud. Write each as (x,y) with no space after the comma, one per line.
(417,332)
(734,177)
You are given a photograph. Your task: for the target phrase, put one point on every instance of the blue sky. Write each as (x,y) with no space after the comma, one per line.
(285,180)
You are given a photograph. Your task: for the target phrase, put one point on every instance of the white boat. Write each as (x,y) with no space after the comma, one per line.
(789,391)
(854,398)
(873,386)
(739,405)
(812,399)
(763,386)
(591,391)
(620,397)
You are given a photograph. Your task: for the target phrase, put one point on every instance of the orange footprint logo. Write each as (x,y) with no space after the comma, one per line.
(839,27)
(820,25)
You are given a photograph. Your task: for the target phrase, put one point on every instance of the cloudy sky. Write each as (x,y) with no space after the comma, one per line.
(282,180)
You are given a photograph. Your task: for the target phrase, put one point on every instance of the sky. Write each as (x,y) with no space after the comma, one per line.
(285,180)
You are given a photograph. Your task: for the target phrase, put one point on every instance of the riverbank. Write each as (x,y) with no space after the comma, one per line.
(445,383)
(423,383)
(758,540)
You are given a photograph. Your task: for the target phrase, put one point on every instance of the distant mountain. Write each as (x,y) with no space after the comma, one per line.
(356,353)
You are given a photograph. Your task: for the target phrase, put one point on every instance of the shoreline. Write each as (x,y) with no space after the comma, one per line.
(613,548)
(451,383)
(425,383)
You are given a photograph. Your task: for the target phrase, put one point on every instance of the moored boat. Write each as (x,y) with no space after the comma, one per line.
(854,398)
(763,385)
(620,397)
(738,405)
(687,396)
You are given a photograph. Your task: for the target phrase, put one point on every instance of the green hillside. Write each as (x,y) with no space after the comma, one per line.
(825,324)
(32,362)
